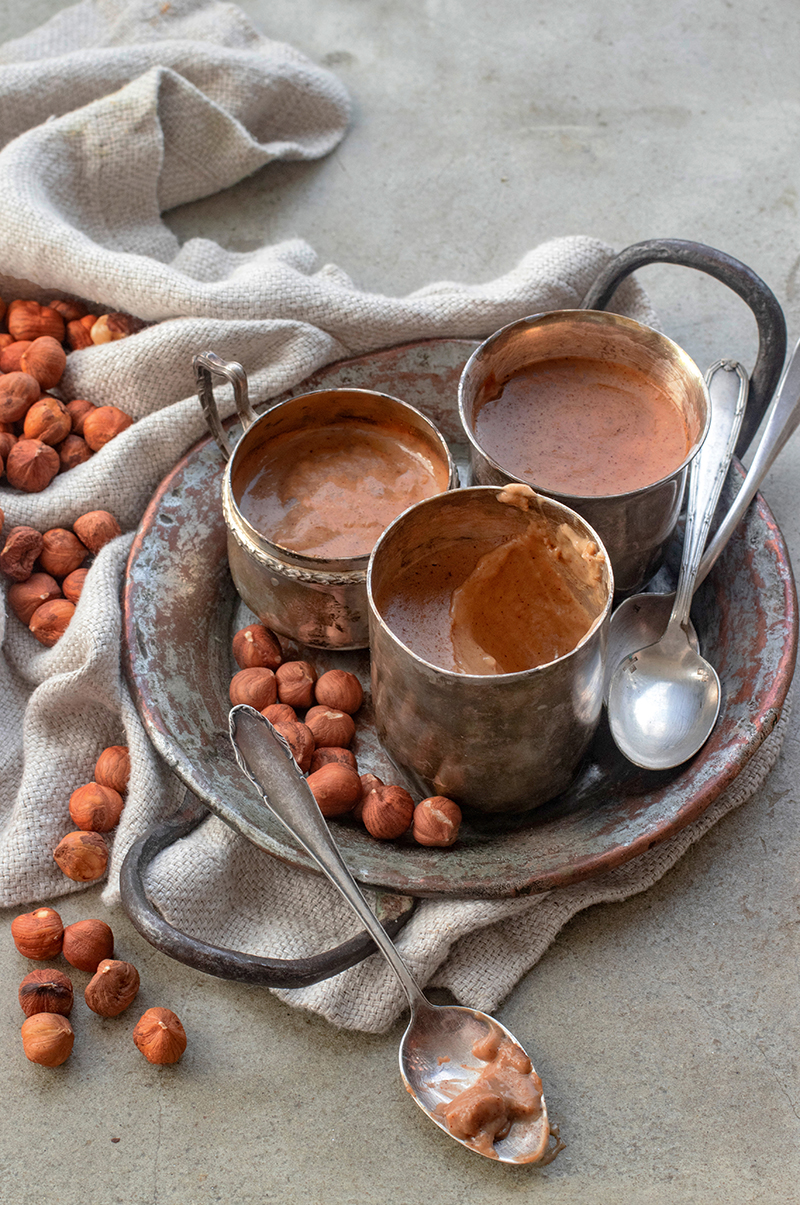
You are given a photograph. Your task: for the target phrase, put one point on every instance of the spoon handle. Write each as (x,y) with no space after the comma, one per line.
(266,760)
(727,383)
(782,422)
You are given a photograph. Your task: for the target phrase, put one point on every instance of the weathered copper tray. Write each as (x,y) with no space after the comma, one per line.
(181,610)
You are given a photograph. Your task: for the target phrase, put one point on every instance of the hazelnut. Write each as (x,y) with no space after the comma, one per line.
(48,421)
(330,727)
(102,424)
(159,1036)
(256,687)
(47,1038)
(7,441)
(18,392)
(25,597)
(95,808)
(45,360)
(11,355)
(299,739)
(330,755)
(113,768)
(113,987)
(22,546)
(82,856)
(78,336)
(5,340)
(29,320)
(31,465)
(257,647)
(436,821)
(46,992)
(387,812)
(50,621)
(87,943)
(108,328)
(70,311)
(38,934)
(62,552)
(77,410)
(340,690)
(96,529)
(336,788)
(72,584)
(296,683)
(368,783)
(279,713)
(73,451)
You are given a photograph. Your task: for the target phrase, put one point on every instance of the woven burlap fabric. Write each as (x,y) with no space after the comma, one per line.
(110,114)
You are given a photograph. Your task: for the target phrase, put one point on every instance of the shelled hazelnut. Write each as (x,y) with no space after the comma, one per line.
(18,556)
(96,528)
(330,755)
(257,646)
(87,943)
(95,808)
(113,988)
(50,621)
(82,856)
(299,739)
(339,690)
(18,392)
(436,821)
(25,597)
(31,465)
(113,768)
(387,812)
(296,683)
(45,359)
(77,409)
(330,727)
(336,788)
(38,934)
(72,584)
(47,1038)
(279,713)
(62,552)
(29,320)
(256,687)
(73,451)
(11,353)
(46,991)
(103,424)
(160,1036)
(368,783)
(48,421)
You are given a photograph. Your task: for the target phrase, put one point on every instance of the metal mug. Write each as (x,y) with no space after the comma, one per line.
(634,526)
(495,743)
(318,601)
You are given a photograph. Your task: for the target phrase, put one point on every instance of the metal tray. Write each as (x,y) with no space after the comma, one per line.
(181,610)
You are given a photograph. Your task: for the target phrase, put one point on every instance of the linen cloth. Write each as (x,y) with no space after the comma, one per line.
(110,114)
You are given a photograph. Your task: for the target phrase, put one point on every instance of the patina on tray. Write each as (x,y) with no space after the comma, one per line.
(181,610)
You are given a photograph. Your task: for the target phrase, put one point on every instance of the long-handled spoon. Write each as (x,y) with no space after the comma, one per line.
(642,619)
(663,700)
(437,1052)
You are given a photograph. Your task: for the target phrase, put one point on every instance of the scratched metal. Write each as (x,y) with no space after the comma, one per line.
(181,610)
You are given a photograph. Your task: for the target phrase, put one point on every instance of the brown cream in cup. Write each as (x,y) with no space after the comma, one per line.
(583,426)
(330,491)
(478,609)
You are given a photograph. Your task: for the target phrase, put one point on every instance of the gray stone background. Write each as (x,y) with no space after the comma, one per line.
(665,1028)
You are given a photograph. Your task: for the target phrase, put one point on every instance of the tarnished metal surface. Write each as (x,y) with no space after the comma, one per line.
(181,610)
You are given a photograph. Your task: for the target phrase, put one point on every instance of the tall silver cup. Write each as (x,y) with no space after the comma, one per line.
(635,526)
(494,743)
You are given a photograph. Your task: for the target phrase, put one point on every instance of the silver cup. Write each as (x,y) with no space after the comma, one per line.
(319,601)
(494,743)
(635,526)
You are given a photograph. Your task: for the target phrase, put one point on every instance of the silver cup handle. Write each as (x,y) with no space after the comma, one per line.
(205,365)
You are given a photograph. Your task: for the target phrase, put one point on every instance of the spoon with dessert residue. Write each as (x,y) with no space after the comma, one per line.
(664,699)
(445,1049)
(642,619)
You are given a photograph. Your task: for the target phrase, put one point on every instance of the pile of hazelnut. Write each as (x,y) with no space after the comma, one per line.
(48,570)
(41,434)
(320,742)
(94,809)
(46,996)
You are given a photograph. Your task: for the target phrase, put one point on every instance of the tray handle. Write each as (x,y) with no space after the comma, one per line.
(738,277)
(393,911)
(205,366)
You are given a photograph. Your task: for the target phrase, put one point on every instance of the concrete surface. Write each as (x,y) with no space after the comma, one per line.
(665,1028)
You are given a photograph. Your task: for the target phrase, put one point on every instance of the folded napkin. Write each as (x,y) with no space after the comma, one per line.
(110,114)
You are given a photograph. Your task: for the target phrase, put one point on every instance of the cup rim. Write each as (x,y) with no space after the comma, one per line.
(308,560)
(516,675)
(613,320)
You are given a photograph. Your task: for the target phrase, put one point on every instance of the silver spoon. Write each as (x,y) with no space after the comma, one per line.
(436,1052)
(663,700)
(642,619)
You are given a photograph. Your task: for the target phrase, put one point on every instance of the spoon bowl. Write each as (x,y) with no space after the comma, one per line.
(438,1052)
